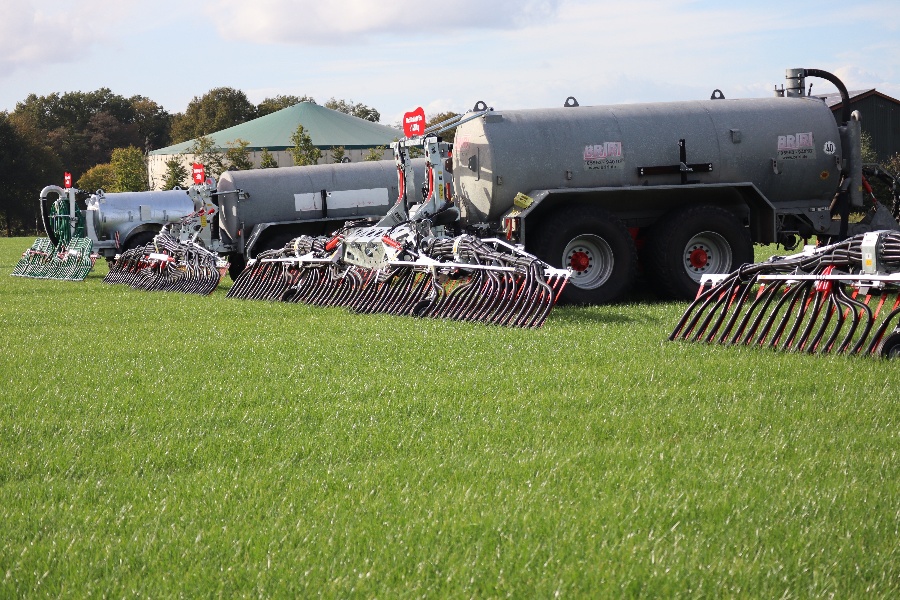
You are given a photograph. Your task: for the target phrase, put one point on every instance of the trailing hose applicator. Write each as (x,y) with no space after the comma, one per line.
(841,298)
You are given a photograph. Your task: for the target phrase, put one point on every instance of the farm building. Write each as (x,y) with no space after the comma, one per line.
(880,118)
(327,128)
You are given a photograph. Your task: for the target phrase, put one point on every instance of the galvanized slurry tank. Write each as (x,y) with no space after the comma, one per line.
(581,161)
(310,194)
(135,216)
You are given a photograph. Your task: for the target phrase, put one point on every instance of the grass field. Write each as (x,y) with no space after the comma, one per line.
(158,445)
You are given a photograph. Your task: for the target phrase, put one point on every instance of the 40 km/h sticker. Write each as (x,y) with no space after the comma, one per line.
(830,148)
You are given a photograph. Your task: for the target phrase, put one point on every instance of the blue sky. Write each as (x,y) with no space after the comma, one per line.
(446,55)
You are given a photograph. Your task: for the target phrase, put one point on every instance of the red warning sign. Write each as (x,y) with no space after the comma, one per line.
(67,179)
(414,122)
(199,173)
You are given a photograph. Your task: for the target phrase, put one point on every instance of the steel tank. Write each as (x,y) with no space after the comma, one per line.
(122,212)
(315,192)
(790,148)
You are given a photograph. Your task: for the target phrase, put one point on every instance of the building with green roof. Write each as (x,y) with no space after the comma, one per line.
(326,128)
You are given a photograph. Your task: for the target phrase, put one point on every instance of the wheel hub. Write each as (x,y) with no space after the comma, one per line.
(699,258)
(706,252)
(580,261)
(591,260)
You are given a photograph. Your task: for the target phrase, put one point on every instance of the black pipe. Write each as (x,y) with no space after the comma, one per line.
(45,219)
(845,96)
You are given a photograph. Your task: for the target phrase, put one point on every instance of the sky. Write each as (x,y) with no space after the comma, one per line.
(398,55)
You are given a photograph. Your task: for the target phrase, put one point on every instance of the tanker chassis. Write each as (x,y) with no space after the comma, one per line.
(675,190)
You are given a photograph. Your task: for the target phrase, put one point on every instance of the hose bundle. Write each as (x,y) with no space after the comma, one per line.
(165,264)
(463,278)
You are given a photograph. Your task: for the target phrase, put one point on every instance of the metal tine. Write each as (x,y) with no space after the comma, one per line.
(539,299)
(507,298)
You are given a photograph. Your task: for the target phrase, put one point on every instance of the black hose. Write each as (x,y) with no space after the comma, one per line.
(845,96)
(45,220)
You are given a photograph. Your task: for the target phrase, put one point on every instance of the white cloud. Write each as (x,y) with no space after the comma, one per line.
(38,32)
(311,22)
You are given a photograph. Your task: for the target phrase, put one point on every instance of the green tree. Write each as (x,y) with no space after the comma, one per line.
(73,110)
(152,120)
(98,177)
(218,109)
(450,134)
(209,155)
(270,105)
(266,160)
(867,146)
(303,152)
(356,109)
(130,170)
(176,173)
(82,128)
(376,153)
(237,156)
(27,164)
(338,153)
(892,164)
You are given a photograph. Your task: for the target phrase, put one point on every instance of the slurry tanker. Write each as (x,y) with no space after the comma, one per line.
(576,200)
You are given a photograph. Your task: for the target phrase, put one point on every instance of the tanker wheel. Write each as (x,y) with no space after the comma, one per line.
(691,242)
(890,345)
(596,246)
(236,264)
(138,240)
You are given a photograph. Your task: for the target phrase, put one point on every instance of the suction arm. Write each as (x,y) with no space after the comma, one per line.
(45,216)
(845,96)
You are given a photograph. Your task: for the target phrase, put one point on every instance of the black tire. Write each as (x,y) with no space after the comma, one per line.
(890,346)
(691,242)
(138,240)
(596,245)
(236,265)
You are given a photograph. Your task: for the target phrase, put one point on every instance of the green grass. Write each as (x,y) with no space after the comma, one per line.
(156,444)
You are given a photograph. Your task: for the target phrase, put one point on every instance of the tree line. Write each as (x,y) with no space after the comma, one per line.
(102,139)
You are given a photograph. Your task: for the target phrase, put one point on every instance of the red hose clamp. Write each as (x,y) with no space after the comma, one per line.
(332,243)
(825,285)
